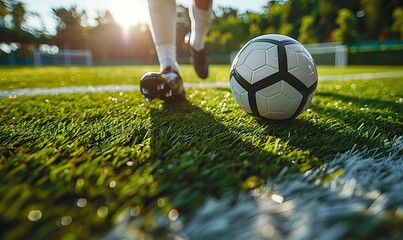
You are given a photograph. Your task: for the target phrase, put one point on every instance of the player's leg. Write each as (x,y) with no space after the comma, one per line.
(166,84)
(200,16)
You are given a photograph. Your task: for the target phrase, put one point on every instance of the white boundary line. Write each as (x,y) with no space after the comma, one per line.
(130,88)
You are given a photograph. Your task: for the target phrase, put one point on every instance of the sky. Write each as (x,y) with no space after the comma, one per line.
(125,12)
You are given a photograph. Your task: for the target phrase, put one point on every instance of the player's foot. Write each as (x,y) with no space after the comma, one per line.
(200,63)
(166,85)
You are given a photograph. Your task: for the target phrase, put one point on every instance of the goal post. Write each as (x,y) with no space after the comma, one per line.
(328,53)
(62,57)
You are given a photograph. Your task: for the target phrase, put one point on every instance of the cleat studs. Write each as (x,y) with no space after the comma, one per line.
(160,86)
(145,91)
(168,94)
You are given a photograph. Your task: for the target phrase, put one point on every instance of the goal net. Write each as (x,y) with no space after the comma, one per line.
(62,57)
(328,53)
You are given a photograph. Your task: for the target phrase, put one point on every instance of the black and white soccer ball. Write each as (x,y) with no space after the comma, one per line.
(273,77)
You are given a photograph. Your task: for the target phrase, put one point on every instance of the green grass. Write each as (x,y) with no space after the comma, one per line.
(114,152)
(50,77)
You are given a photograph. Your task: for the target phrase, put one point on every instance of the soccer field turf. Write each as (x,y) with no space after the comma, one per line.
(76,166)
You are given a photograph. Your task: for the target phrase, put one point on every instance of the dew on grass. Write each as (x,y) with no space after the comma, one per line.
(129,163)
(35,215)
(66,220)
(135,211)
(112,184)
(277,198)
(173,215)
(80,182)
(46,100)
(113,99)
(161,202)
(81,202)
(102,211)
(268,231)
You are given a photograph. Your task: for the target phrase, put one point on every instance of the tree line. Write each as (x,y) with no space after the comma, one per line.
(309,21)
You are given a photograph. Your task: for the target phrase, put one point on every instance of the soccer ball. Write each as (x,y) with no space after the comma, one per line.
(273,77)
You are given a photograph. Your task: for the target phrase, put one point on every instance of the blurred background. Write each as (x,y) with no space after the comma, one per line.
(95,32)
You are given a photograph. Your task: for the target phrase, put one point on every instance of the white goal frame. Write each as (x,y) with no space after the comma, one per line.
(340,52)
(67,56)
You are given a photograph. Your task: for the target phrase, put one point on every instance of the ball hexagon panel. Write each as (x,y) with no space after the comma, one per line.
(301,64)
(257,61)
(245,72)
(240,95)
(278,101)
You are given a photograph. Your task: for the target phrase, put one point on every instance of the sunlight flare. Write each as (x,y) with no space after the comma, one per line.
(130,12)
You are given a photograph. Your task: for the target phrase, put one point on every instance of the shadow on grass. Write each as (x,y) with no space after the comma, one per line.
(198,156)
(365,123)
(195,156)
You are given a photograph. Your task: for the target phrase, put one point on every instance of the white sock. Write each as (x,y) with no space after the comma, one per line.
(200,20)
(163,30)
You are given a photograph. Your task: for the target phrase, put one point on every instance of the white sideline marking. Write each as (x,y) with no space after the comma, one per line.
(130,88)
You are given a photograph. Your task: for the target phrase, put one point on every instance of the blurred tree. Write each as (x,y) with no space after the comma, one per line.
(106,40)
(228,32)
(13,16)
(287,29)
(274,12)
(293,11)
(346,32)
(378,17)
(141,47)
(70,33)
(398,21)
(18,14)
(3,10)
(256,23)
(307,33)
(327,14)
(372,19)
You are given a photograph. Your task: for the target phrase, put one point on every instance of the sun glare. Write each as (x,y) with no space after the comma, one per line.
(130,12)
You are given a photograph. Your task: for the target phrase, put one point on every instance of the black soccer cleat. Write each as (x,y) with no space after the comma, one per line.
(200,63)
(166,85)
